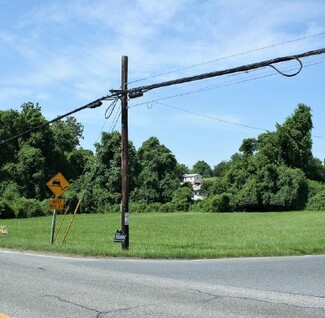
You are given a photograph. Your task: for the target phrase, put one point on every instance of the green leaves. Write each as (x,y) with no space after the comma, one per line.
(32,159)
(159,173)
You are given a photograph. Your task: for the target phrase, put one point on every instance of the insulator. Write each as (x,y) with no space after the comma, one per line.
(95,104)
(135,94)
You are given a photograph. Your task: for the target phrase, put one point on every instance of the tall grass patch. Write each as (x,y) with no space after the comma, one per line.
(176,235)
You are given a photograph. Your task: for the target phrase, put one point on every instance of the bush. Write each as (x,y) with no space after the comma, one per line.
(221,203)
(314,187)
(293,189)
(11,191)
(111,208)
(317,202)
(28,208)
(6,211)
(248,198)
(200,206)
(45,206)
(138,207)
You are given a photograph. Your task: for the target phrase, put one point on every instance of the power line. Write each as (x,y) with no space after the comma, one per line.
(218,119)
(227,57)
(216,86)
(93,104)
(138,91)
(211,117)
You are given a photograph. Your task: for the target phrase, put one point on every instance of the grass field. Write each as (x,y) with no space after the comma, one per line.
(176,235)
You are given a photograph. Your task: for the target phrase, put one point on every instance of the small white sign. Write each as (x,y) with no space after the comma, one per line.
(126,218)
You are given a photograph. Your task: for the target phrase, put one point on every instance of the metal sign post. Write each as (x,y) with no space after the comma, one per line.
(53,226)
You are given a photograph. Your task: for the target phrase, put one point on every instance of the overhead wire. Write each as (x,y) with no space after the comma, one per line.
(226,57)
(231,82)
(91,105)
(219,85)
(218,119)
(138,91)
(211,117)
(152,102)
(243,68)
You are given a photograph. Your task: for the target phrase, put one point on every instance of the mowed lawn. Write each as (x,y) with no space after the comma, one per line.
(175,235)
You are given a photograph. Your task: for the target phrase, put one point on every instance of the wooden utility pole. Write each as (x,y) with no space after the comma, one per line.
(124,153)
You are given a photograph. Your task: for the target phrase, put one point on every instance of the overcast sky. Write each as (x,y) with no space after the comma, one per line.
(64,54)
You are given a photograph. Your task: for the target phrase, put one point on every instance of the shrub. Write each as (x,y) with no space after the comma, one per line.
(293,189)
(45,206)
(221,203)
(28,208)
(248,198)
(6,211)
(314,187)
(139,207)
(111,208)
(11,191)
(199,206)
(317,202)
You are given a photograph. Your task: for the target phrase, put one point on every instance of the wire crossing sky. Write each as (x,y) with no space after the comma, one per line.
(138,91)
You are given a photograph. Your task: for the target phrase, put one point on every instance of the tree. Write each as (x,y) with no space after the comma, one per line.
(10,125)
(248,146)
(33,158)
(181,170)
(159,174)
(294,138)
(31,169)
(220,169)
(67,134)
(182,198)
(202,168)
(271,172)
(79,160)
(105,175)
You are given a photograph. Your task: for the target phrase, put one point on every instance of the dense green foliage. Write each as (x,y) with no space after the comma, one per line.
(274,172)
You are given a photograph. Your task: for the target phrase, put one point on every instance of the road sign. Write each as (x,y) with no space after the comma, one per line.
(58,184)
(56,204)
(119,237)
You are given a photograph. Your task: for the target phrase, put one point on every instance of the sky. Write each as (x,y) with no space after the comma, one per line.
(65,54)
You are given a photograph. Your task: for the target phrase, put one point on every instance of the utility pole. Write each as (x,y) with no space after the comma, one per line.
(124,153)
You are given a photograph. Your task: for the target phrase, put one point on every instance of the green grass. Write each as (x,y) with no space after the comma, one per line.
(176,235)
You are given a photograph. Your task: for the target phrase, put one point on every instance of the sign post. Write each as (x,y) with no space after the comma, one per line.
(58,184)
(53,226)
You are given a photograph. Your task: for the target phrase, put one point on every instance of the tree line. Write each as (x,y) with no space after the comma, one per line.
(274,172)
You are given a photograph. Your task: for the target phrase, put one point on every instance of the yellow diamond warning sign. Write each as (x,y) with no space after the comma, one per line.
(58,184)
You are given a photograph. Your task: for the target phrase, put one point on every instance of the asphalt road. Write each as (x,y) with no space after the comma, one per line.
(39,286)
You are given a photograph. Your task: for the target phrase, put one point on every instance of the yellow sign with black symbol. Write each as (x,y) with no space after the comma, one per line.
(56,204)
(58,184)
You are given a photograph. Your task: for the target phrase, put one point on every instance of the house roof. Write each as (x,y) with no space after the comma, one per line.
(189,175)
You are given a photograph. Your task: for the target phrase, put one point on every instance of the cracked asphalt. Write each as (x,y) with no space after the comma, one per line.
(39,286)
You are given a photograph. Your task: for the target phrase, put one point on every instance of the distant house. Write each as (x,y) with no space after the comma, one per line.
(196,180)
